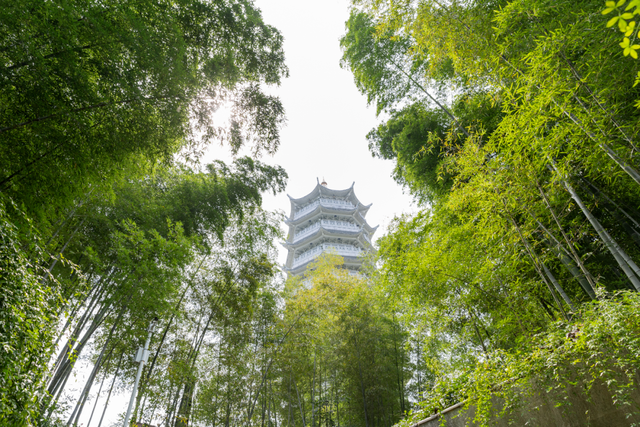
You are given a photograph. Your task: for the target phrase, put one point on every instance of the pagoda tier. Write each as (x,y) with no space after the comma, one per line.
(327,220)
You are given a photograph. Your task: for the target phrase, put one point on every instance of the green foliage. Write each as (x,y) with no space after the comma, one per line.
(415,138)
(627,27)
(376,62)
(205,202)
(534,208)
(346,355)
(102,107)
(423,143)
(28,314)
(140,262)
(90,90)
(600,348)
(218,329)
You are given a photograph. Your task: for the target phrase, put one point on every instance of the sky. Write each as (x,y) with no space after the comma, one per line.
(325,136)
(327,117)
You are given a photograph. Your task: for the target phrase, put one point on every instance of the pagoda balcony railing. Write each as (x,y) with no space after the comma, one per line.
(302,212)
(328,224)
(336,203)
(339,225)
(329,203)
(343,250)
(306,232)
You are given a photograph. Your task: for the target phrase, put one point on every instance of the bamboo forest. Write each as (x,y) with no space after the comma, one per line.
(512,125)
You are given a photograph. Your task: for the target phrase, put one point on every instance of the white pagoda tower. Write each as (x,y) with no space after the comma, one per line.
(327,220)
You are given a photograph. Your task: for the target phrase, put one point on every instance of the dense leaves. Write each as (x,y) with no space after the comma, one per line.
(27,318)
(514,124)
(108,219)
(90,90)
(347,355)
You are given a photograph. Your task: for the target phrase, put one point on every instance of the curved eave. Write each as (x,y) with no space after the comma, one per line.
(321,190)
(320,209)
(362,222)
(325,232)
(367,245)
(359,219)
(369,229)
(289,260)
(363,210)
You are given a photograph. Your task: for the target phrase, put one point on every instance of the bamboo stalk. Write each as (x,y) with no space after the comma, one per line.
(566,239)
(633,273)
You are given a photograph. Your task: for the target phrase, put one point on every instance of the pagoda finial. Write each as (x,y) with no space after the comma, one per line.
(323,183)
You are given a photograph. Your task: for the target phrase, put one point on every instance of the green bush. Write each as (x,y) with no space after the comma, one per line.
(601,344)
(28,305)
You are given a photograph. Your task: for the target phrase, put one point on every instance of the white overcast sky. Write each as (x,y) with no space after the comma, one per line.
(327,118)
(327,121)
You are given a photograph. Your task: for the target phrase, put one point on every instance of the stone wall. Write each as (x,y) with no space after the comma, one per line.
(540,410)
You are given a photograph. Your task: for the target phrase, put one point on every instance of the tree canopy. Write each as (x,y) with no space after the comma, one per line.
(92,90)
(513,123)
(108,217)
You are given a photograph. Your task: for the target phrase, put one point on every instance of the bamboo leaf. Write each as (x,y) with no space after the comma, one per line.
(622,25)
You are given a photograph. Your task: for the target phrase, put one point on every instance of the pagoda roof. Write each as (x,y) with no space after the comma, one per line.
(319,236)
(321,190)
(358,218)
(319,217)
(368,228)
(327,232)
(360,209)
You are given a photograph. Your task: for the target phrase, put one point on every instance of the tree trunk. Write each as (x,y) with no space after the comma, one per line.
(484,349)
(313,388)
(184,411)
(577,274)
(577,259)
(582,82)
(304,423)
(630,269)
(558,287)
(96,368)
(615,211)
(534,259)
(290,414)
(364,397)
(55,260)
(106,404)
(398,368)
(95,404)
(608,199)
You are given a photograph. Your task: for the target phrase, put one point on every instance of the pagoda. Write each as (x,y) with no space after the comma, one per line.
(327,220)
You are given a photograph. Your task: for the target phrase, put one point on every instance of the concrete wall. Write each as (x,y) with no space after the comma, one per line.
(540,410)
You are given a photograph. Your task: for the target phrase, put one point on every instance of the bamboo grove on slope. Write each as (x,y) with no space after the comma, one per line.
(108,220)
(514,124)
